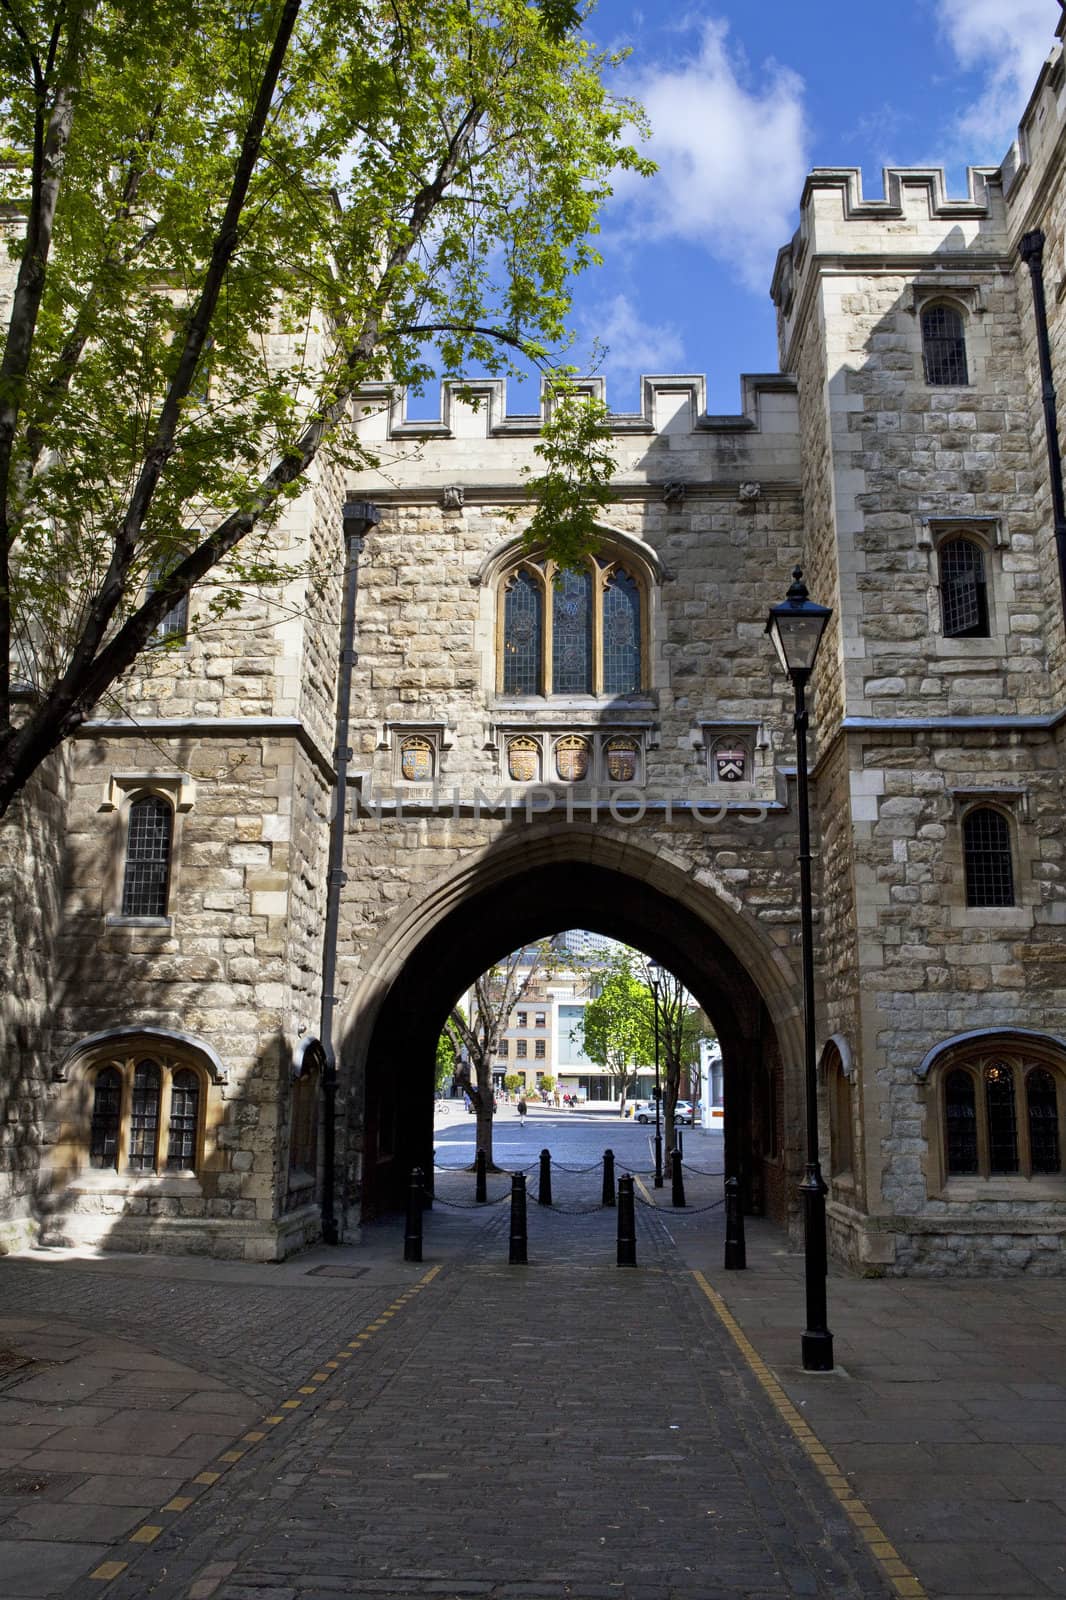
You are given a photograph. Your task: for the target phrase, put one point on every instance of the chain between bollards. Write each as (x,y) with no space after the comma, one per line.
(480,1184)
(412,1239)
(607,1197)
(544,1184)
(735,1251)
(627,1224)
(517,1256)
(677,1181)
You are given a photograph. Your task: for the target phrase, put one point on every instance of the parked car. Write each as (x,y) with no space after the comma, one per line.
(644,1111)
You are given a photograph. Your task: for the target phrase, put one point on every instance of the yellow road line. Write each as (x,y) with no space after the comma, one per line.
(899,1575)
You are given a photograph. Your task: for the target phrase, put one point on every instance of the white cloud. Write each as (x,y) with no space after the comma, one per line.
(1007,44)
(732,156)
(631,347)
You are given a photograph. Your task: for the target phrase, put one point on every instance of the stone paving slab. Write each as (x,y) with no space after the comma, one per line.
(569,1428)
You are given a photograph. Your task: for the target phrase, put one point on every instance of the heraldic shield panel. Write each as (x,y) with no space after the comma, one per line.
(572,757)
(416,760)
(623,760)
(523,760)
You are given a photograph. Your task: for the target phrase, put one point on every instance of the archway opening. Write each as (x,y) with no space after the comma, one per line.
(392,1066)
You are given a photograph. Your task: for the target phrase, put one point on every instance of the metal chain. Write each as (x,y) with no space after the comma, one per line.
(702,1171)
(469,1205)
(677,1211)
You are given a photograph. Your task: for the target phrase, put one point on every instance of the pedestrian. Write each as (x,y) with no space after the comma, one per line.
(522,1109)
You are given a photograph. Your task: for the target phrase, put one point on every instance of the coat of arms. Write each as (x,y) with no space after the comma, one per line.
(572,759)
(622,761)
(416,760)
(730,765)
(523,760)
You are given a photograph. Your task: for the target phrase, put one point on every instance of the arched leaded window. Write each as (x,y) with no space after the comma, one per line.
(144,1116)
(963,589)
(1042,1113)
(147,1112)
(621,634)
(149,833)
(106,1118)
(184,1129)
(986,850)
(960,1122)
(1002,1116)
(523,634)
(572,631)
(841,1122)
(944,345)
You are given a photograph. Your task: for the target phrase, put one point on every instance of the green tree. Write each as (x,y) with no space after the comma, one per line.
(495,995)
(228,221)
(615,1028)
(681,1026)
(447,1062)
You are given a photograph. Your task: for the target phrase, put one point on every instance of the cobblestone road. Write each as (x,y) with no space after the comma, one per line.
(565,1429)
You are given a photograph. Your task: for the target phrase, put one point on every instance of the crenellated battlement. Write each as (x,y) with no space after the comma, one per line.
(670,404)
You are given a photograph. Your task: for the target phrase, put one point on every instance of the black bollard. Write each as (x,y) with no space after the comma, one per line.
(627,1224)
(735,1252)
(679,1140)
(480,1189)
(412,1239)
(517,1257)
(677,1182)
(544,1186)
(607,1197)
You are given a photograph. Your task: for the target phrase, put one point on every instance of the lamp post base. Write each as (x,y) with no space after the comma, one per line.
(817,1351)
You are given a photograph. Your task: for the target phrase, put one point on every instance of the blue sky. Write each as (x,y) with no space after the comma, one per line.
(744,97)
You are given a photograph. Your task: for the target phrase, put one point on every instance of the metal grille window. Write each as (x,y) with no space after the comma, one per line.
(144,1117)
(521,1047)
(963,590)
(987,856)
(539,1049)
(107,1113)
(184,1121)
(943,346)
(148,840)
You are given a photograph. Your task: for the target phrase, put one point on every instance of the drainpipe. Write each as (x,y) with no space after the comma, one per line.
(358,516)
(1031,250)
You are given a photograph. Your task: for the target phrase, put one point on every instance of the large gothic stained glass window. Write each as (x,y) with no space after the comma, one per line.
(572,633)
(522,629)
(621,635)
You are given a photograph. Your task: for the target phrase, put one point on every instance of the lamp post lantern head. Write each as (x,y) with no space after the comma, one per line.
(796,627)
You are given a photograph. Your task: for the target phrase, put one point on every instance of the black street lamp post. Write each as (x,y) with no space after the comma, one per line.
(796,627)
(655,975)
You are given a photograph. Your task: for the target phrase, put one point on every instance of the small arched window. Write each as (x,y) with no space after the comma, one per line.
(1002,1116)
(986,850)
(963,590)
(149,833)
(571,631)
(107,1114)
(841,1124)
(944,346)
(144,1117)
(146,1113)
(184,1121)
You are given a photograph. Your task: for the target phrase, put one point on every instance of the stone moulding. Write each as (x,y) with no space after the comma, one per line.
(164,1036)
(932,1056)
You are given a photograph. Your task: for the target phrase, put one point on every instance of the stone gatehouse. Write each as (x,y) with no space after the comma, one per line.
(610,748)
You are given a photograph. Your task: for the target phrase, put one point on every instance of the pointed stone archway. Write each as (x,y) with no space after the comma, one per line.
(514,892)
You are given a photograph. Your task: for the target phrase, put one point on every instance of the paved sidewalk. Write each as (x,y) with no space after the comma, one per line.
(350,1424)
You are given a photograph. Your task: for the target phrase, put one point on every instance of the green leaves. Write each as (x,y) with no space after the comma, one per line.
(425,185)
